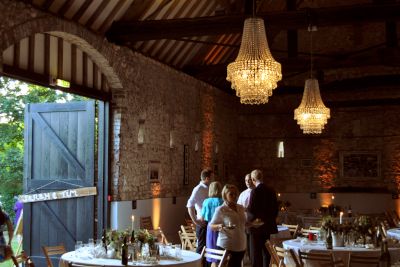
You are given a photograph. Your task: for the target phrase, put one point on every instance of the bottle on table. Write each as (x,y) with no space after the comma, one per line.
(104,239)
(124,253)
(384,259)
(349,212)
(378,236)
(329,240)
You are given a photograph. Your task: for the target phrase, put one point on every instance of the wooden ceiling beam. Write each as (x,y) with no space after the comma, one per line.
(123,32)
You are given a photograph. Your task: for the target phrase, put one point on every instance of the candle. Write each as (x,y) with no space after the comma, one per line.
(133,221)
(341,217)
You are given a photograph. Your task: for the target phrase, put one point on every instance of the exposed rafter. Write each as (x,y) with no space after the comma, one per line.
(122,32)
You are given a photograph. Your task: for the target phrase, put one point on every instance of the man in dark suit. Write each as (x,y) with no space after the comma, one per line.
(263,207)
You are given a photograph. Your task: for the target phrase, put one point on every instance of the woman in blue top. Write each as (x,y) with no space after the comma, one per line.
(5,221)
(213,201)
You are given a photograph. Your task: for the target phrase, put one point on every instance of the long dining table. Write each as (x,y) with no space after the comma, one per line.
(189,259)
(342,253)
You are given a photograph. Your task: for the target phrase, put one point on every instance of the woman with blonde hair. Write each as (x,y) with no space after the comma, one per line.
(230,220)
(210,204)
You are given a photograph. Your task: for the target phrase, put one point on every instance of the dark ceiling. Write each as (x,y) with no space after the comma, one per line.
(201,37)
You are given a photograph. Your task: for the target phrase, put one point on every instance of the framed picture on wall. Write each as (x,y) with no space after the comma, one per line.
(360,164)
(154,171)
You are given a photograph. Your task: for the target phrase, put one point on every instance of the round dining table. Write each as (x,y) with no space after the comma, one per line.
(189,258)
(342,253)
(393,233)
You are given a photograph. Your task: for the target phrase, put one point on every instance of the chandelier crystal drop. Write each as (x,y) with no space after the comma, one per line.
(254,73)
(312,115)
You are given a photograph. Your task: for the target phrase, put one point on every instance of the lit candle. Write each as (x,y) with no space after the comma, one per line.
(133,221)
(341,217)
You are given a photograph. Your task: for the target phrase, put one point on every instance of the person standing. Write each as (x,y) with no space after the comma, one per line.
(18,206)
(262,209)
(230,220)
(244,197)
(213,201)
(5,221)
(194,206)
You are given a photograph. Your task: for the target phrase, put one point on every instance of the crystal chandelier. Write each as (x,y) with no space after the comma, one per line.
(312,115)
(254,73)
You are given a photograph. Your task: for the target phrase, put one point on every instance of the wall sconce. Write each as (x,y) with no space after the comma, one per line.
(216,148)
(141,132)
(196,142)
(171,139)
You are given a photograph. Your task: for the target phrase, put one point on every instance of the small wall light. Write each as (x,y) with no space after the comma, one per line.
(196,142)
(141,132)
(171,139)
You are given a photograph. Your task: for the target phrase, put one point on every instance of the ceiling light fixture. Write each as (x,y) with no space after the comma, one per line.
(254,73)
(312,115)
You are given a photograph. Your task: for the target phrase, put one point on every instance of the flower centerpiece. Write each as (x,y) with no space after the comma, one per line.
(339,230)
(364,226)
(145,237)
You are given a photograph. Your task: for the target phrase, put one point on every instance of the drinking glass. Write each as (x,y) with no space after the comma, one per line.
(91,242)
(178,251)
(78,245)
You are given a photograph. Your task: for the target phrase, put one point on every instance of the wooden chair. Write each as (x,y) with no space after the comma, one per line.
(274,255)
(322,258)
(295,258)
(52,250)
(365,260)
(216,254)
(188,229)
(305,232)
(146,223)
(293,229)
(188,240)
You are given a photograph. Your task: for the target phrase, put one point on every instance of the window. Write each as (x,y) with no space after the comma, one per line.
(281,150)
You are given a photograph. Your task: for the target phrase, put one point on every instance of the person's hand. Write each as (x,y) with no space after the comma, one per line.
(200,222)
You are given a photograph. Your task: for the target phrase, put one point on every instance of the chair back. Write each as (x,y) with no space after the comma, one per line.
(187,229)
(365,260)
(322,258)
(146,223)
(19,259)
(293,229)
(216,254)
(52,250)
(188,240)
(274,255)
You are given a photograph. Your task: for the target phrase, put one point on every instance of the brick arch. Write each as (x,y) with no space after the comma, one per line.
(100,51)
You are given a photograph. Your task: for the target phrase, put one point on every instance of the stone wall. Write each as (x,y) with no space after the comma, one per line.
(144,90)
(166,101)
(311,162)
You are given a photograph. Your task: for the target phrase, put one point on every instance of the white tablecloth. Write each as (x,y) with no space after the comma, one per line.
(189,259)
(394,233)
(338,252)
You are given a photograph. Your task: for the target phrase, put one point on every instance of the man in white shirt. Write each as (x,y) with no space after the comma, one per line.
(194,206)
(244,197)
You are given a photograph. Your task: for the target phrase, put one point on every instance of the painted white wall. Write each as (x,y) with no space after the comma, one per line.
(163,213)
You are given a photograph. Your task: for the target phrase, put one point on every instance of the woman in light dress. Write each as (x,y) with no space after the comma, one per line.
(230,220)
(210,204)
